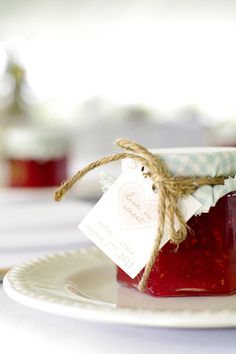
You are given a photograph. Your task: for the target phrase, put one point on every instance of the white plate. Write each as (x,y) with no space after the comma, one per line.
(81,284)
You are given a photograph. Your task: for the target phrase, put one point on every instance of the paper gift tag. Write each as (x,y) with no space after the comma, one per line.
(124,221)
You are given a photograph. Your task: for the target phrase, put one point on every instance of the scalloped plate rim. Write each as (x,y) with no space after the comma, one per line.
(102,313)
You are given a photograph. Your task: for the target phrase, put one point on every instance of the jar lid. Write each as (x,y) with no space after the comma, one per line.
(200,162)
(197,162)
(34,142)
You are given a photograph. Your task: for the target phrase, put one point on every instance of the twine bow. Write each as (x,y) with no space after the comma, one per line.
(170,189)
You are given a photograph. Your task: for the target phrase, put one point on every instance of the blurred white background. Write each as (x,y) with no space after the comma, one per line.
(164,55)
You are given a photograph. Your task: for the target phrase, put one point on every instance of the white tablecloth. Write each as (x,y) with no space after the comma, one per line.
(33,224)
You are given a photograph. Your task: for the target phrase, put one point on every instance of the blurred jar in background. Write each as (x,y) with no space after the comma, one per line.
(35,156)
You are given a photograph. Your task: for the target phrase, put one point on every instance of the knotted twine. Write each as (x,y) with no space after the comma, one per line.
(170,190)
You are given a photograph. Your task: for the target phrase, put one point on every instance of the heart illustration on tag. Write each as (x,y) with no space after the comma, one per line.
(135,211)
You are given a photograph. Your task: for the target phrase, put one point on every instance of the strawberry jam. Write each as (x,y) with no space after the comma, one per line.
(204,264)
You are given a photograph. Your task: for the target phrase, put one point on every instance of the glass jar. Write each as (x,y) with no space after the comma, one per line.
(205,263)
(35,157)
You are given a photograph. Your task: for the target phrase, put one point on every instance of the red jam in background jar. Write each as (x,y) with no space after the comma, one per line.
(35,156)
(204,264)
(29,173)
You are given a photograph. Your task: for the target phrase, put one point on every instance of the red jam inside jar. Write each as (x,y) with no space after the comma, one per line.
(204,264)
(35,156)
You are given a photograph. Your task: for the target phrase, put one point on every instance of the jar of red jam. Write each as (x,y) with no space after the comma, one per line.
(205,262)
(35,157)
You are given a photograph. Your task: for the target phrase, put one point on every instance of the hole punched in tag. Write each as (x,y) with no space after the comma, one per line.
(147,174)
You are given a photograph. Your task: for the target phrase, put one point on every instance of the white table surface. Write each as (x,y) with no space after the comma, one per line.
(26,330)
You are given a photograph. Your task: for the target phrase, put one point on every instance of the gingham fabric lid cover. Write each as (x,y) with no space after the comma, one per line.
(210,161)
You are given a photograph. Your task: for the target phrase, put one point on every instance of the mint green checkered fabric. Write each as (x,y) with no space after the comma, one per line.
(198,162)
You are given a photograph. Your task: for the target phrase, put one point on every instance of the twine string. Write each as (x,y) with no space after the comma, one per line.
(170,189)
